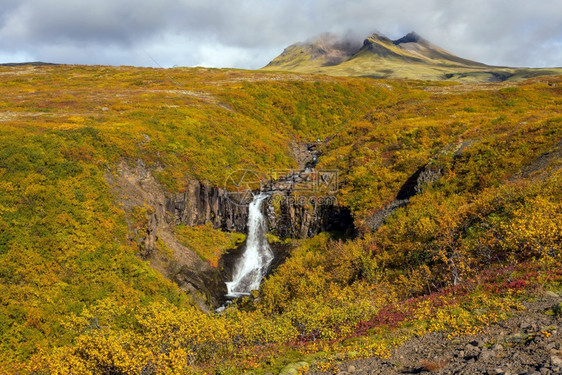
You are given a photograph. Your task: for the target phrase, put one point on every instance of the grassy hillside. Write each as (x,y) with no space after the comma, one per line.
(76,298)
(410,57)
(364,64)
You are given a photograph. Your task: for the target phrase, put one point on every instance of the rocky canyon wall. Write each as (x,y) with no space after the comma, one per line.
(153,213)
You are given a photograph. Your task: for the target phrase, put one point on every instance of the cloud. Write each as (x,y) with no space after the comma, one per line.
(249,33)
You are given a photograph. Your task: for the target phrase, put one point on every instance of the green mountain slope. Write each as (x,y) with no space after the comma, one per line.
(408,57)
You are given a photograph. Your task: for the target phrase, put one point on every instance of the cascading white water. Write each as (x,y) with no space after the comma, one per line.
(257,256)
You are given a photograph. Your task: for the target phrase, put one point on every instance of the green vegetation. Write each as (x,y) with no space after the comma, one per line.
(76,298)
(209,243)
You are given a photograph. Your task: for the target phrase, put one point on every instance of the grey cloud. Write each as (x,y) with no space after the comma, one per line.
(249,33)
(68,21)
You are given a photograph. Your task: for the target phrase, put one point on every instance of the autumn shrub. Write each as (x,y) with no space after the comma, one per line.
(209,243)
(76,297)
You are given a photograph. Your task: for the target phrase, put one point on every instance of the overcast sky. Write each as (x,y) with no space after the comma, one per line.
(250,33)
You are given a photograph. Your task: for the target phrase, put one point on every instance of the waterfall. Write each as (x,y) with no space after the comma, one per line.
(257,255)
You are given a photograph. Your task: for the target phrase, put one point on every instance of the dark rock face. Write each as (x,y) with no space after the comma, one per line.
(200,204)
(376,220)
(411,37)
(147,243)
(208,282)
(420,180)
(417,182)
(288,216)
(296,218)
(544,165)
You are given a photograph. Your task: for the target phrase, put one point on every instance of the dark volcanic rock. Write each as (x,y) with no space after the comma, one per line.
(411,37)
(306,217)
(201,203)
(416,183)
(288,216)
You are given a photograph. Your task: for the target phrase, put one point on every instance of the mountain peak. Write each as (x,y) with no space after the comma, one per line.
(376,37)
(324,50)
(379,56)
(411,37)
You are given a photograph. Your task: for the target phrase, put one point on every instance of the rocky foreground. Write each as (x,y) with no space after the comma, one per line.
(527,343)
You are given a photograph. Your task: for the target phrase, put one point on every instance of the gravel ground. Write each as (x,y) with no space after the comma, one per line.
(527,343)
